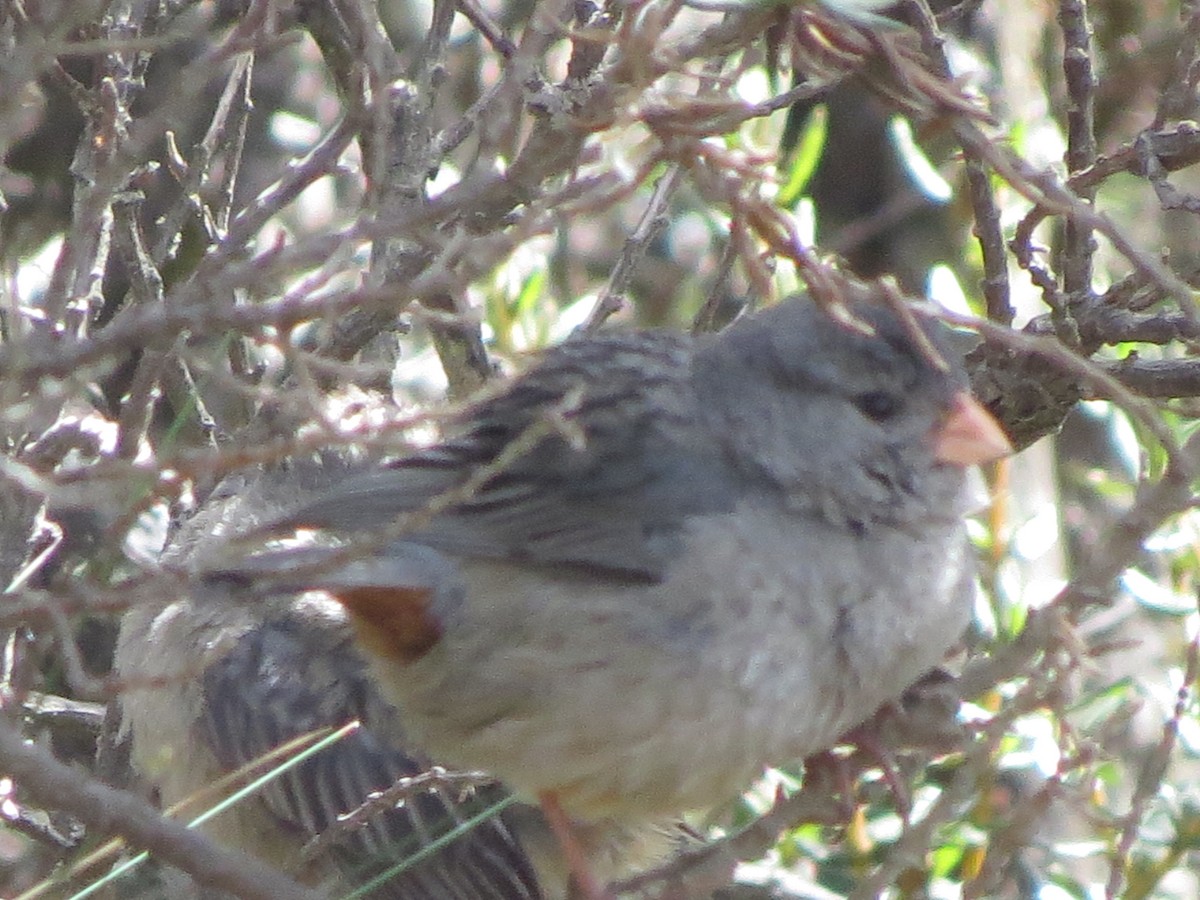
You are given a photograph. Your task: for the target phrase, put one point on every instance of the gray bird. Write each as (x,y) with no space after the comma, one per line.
(654,564)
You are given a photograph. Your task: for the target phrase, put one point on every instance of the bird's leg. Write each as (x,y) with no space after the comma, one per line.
(924,717)
(577,862)
(828,768)
(868,742)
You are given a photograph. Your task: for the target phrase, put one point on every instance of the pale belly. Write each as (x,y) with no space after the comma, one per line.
(637,701)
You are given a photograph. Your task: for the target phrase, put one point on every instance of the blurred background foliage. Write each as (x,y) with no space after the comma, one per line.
(241,230)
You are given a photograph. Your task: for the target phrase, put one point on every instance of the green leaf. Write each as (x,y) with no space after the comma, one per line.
(923,173)
(807,155)
(1152,595)
(531,292)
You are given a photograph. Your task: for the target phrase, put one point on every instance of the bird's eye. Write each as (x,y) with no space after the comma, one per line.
(878,405)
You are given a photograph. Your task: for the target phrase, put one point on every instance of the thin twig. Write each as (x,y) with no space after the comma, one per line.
(649,227)
(106,811)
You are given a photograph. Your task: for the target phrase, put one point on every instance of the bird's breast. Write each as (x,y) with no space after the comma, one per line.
(769,638)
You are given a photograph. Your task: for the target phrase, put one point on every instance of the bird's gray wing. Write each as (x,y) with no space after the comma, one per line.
(595,458)
(293,675)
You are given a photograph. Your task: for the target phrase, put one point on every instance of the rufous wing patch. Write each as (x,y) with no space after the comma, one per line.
(394,622)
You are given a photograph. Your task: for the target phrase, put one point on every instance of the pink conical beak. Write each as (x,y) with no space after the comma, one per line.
(969,435)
